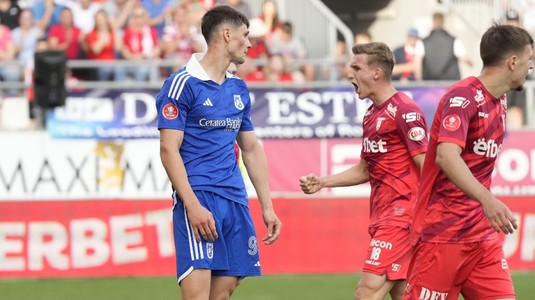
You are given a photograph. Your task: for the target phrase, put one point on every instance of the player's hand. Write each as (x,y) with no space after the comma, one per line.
(310,184)
(273,225)
(202,223)
(500,216)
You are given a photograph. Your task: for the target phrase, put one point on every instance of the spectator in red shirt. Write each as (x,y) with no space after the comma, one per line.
(140,44)
(65,36)
(101,46)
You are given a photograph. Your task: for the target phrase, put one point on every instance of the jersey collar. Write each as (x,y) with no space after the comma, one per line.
(195,69)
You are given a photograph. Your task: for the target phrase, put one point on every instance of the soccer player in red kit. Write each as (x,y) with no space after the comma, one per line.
(457,219)
(393,150)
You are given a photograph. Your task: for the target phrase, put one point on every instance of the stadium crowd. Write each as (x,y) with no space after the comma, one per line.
(107,31)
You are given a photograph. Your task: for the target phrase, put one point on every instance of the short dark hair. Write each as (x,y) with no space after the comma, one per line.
(219,15)
(501,40)
(378,54)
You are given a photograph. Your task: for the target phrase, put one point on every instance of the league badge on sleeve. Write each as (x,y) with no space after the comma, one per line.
(451,122)
(170,111)
(238,103)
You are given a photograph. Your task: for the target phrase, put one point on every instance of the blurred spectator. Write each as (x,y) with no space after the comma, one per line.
(25,39)
(101,46)
(270,16)
(47,13)
(341,62)
(257,34)
(65,36)
(9,13)
(292,50)
(249,72)
(119,12)
(512,18)
(9,71)
(404,56)
(441,54)
(516,100)
(140,43)
(238,5)
(196,9)
(363,37)
(159,12)
(180,39)
(277,71)
(83,12)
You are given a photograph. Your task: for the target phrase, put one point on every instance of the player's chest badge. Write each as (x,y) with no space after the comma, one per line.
(238,103)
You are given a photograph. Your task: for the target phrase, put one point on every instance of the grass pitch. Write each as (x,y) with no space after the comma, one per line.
(270,287)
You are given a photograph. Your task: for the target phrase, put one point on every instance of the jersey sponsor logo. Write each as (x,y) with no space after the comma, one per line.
(416,134)
(379,122)
(411,117)
(427,294)
(483,114)
(170,111)
(374,146)
(210,250)
(459,102)
(487,148)
(381,244)
(238,103)
(208,102)
(396,267)
(228,123)
(479,97)
(451,122)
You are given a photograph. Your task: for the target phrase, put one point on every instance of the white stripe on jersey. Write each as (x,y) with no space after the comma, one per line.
(173,84)
(179,80)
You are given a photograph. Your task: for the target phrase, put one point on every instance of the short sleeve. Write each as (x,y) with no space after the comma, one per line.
(412,128)
(456,110)
(174,101)
(247,122)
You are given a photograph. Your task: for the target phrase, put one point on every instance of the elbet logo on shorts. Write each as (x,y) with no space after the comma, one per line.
(427,294)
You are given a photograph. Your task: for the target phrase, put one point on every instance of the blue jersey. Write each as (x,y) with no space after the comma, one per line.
(210,114)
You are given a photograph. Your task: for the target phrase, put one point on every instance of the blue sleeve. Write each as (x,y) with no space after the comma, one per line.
(173,102)
(247,122)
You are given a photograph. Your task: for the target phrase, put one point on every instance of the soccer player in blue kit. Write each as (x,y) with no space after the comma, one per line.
(202,111)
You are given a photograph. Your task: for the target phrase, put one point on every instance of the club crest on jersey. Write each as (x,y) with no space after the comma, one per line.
(238,103)
(170,111)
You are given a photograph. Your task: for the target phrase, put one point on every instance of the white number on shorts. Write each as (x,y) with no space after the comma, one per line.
(253,246)
(376,252)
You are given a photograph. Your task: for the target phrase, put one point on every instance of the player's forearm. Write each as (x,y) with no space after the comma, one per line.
(256,164)
(458,172)
(355,175)
(174,167)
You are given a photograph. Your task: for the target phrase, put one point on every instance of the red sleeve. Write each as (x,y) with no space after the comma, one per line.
(412,128)
(456,111)
(154,36)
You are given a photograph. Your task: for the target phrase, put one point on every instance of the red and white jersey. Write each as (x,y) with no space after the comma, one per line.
(469,116)
(393,133)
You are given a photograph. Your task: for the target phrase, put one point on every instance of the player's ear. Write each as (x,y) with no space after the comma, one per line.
(512,61)
(226,34)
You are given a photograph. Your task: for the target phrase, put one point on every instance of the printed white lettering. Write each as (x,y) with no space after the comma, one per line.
(487,149)
(427,294)
(125,231)
(374,146)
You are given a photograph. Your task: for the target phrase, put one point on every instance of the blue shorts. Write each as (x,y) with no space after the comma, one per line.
(233,253)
